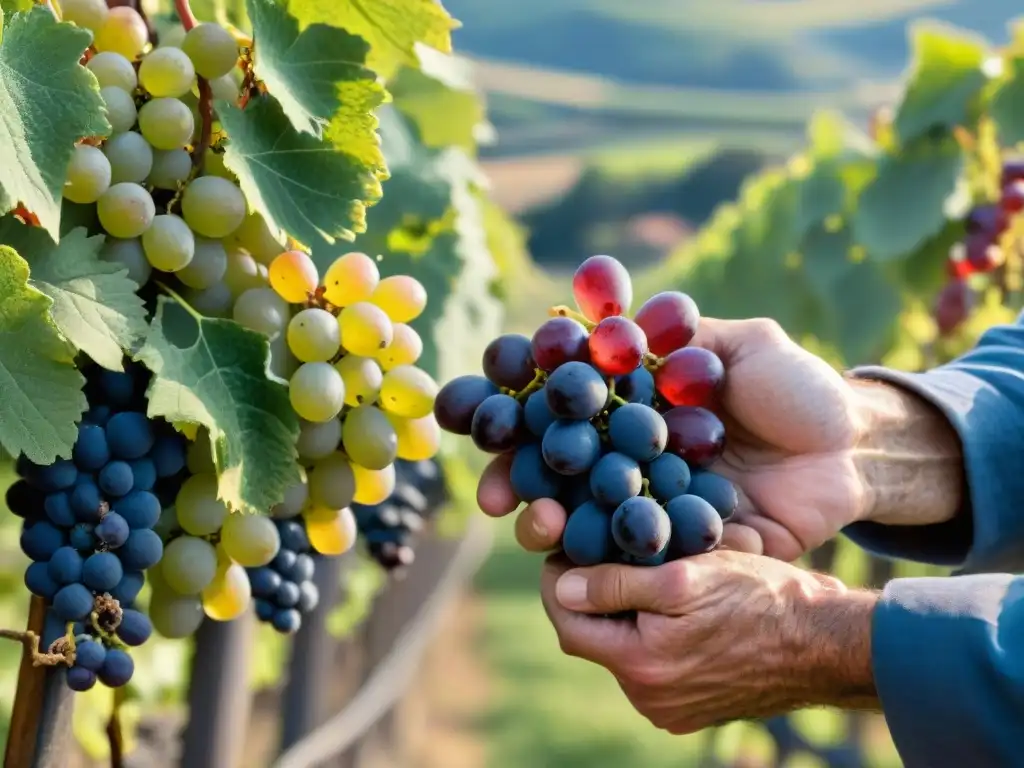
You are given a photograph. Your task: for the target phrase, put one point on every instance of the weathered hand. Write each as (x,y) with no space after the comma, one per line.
(718,637)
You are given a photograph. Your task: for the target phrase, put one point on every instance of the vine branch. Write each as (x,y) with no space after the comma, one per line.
(49,658)
(206,118)
(115,735)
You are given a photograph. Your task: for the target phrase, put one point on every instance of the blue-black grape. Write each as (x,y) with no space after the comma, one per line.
(117,387)
(168,455)
(65,567)
(135,627)
(508,361)
(668,476)
(531,477)
(87,502)
(498,424)
(39,581)
(638,431)
(142,550)
(144,472)
(571,447)
(283,561)
(457,401)
(112,530)
(288,594)
(717,491)
(41,539)
(102,571)
(293,536)
(576,391)
(91,451)
(54,477)
(696,527)
(538,415)
(116,479)
(58,509)
(636,387)
(89,654)
(640,527)
(264,581)
(82,537)
(303,569)
(23,500)
(575,492)
(117,669)
(587,539)
(72,603)
(615,478)
(648,562)
(140,509)
(309,596)
(128,588)
(80,679)
(286,620)
(97,415)
(130,435)
(265,609)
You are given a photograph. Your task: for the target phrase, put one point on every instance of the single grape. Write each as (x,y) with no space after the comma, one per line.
(39,581)
(316,391)
(125,210)
(144,474)
(695,434)
(293,275)
(668,476)
(168,455)
(250,540)
(188,565)
(457,401)
(615,478)
(127,590)
(558,341)
(508,361)
(303,569)
(576,391)
(696,527)
(571,447)
(242,272)
(130,435)
(587,538)
(408,391)
(129,254)
(212,50)
(175,616)
(365,329)
(130,157)
(636,387)
(86,502)
(953,305)
(987,219)
(332,482)
(351,278)
(91,451)
(102,571)
(88,175)
(207,266)
(602,288)
(670,320)
(288,594)
(123,31)
(24,500)
(418,439)
(65,566)
(293,536)
(405,348)
(261,310)
(690,376)
(80,679)
(121,114)
(265,581)
(224,88)
(171,167)
(118,667)
(638,431)
(373,486)
(368,437)
(111,69)
(403,298)
(135,628)
(285,559)
(168,124)
(212,206)
(318,440)
(112,530)
(981,254)
(142,550)
(531,477)
(167,72)
(90,14)
(81,537)
(313,335)
(199,511)
(310,597)
(295,498)
(538,415)
(116,479)
(717,491)
(54,477)
(89,654)
(58,509)
(617,346)
(255,236)
(73,602)
(229,594)
(640,527)
(1012,197)
(362,376)
(335,533)
(498,425)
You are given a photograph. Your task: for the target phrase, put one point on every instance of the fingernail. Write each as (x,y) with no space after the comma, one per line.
(539,530)
(571,591)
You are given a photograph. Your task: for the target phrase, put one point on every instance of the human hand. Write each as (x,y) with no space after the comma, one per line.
(717,637)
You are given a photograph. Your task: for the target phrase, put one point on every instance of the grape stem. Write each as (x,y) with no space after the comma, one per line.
(41,658)
(184,11)
(563,311)
(611,393)
(206,116)
(115,736)
(647,488)
(652,362)
(184,304)
(539,377)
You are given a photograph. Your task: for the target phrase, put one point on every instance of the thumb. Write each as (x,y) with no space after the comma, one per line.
(617,588)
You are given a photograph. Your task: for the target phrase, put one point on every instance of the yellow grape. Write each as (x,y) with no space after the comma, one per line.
(350,278)
(331,532)
(316,391)
(373,486)
(362,377)
(293,275)
(403,298)
(405,348)
(365,329)
(227,596)
(123,31)
(251,540)
(418,439)
(368,437)
(314,337)
(408,391)
(255,236)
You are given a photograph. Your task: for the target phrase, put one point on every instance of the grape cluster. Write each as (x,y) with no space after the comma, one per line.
(284,589)
(980,252)
(609,416)
(390,528)
(89,525)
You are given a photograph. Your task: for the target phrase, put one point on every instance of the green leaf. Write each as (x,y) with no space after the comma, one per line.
(822,194)
(945,81)
(319,76)
(1007,108)
(391,27)
(42,390)
(866,306)
(214,373)
(13,6)
(902,206)
(94,303)
(49,101)
(826,259)
(441,100)
(299,183)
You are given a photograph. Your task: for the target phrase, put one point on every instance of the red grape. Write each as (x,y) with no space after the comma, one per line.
(1013,170)
(695,435)
(982,254)
(690,376)
(952,306)
(669,319)
(558,341)
(1013,197)
(958,268)
(617,346)
(508,361)
(987,218)
(602,288)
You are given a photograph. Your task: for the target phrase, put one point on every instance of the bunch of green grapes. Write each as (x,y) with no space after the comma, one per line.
(362,400)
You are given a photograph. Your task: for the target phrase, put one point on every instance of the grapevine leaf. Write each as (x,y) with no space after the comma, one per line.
(46,110)
(826,259)
(94,303)
(1007,108)
(441,100)
(902,206)
(862,336)
(391,27)
(822,193)
(319,76)
(42,390)
(214,373)
(945,81)
(302,185)
(13,6)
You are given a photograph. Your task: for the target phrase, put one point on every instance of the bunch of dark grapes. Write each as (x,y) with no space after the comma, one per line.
(610,416)
(390,528)
(89,525)
(980,252)
(284,589)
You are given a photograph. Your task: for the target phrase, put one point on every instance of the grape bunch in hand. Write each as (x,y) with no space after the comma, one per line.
(610,417)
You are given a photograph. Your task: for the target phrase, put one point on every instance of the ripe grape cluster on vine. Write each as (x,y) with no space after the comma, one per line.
(610,416)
